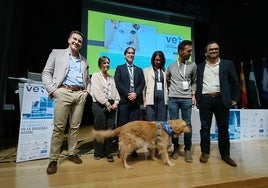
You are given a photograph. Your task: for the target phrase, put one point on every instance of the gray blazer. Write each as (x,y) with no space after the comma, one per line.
(57,67)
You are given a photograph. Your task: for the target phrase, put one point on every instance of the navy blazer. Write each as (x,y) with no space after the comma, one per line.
(229,83)
(122,82)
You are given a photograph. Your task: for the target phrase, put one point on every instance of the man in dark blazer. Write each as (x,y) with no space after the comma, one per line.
(130,82)
(217,91)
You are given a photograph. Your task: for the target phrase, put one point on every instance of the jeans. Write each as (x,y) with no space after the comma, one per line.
(174,107)
(157,111)
(207,107)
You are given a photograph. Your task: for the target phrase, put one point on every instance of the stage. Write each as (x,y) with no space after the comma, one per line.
(251,157)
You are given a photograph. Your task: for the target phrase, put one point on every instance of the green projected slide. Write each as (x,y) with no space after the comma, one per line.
(109,35)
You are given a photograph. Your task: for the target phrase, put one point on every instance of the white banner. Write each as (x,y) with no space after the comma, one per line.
(244,124)
(36,123)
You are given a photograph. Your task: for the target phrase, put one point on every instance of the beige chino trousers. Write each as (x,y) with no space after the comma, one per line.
(67,104)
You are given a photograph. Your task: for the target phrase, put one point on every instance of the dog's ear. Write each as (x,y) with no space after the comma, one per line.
(177,129)
(179,126)
(186,129)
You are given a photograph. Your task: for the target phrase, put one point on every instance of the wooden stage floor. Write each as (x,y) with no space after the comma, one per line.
(251,157)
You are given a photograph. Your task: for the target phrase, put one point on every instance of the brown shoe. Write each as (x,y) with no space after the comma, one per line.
(52,167)
(229,161)
(204,158)
(75,159)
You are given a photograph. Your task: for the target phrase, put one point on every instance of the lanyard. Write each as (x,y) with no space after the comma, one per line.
(130,70)
(184,70)
(158,75)
(131,75)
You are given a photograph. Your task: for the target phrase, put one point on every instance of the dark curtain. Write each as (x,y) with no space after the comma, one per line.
(10,14)
(29,31)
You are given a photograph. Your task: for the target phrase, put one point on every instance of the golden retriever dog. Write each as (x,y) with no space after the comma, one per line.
(144,134)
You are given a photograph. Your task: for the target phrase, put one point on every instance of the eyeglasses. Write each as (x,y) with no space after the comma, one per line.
(212,49)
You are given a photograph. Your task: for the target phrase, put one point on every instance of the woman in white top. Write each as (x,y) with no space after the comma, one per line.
(105,102)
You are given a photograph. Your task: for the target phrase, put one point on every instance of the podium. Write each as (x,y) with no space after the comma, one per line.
(17,84)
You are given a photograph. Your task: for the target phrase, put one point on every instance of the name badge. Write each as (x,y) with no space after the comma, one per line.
(159,85)
(185,85)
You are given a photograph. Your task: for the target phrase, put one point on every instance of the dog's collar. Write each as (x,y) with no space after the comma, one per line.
(166,127)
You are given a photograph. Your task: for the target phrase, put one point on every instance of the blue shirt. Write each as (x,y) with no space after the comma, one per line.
(74,76)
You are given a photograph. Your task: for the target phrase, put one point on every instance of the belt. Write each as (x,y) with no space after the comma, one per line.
(212,94)
(73,88)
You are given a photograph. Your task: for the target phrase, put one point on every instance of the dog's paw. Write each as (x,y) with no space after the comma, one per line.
(154,158)
(128,167)
(171,163)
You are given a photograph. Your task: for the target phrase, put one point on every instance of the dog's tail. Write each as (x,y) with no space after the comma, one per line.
(101,135)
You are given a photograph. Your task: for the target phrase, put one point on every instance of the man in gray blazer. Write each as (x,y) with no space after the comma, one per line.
(67,81)
(217,91)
